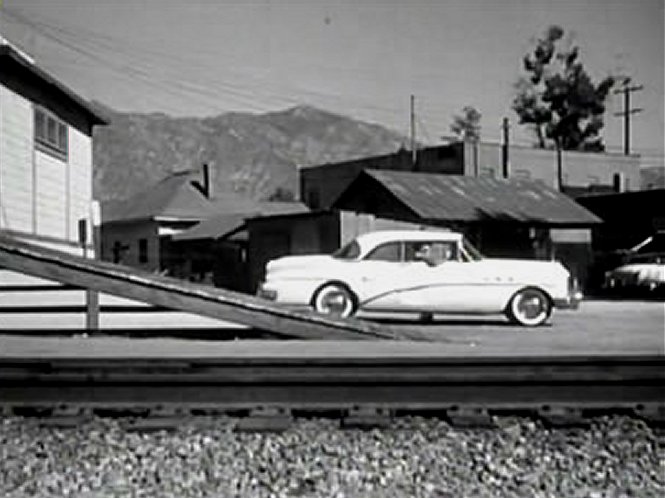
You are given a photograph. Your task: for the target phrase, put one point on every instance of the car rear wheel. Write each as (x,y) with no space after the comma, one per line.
(335,299)
(529,307)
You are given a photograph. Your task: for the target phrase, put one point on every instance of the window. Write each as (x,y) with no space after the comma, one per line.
(433,253)
(143,250)
(51,134)
(386,252)
(349,251)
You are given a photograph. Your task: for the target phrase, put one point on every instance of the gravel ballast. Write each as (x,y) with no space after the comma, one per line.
(613,457)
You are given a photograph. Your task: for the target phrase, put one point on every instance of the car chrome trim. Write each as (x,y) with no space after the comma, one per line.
(571,302)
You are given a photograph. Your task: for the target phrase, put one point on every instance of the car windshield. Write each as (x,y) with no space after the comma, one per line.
(348,251)
(470,253)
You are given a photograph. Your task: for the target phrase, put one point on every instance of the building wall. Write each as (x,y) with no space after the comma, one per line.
(628,218)
(321,185)
(353,224)
(16,159)
(50,195)
(312,233)
(127,237)
(272,237)
(579,169)
(42,197)
(80,180)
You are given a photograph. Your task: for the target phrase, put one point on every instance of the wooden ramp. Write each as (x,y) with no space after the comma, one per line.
(176,294)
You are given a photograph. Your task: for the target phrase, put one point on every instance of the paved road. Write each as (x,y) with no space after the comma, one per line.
(599,327)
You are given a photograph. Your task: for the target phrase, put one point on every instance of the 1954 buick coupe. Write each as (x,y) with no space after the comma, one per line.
(419,271)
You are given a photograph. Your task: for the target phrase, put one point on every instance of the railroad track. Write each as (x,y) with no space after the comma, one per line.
(265,393)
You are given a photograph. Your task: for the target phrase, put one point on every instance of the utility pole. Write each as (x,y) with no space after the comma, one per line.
(559,164)
(505,147)
(414,157)
(627,111)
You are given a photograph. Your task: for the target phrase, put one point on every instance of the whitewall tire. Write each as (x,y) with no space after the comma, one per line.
(529,307)
(335,299)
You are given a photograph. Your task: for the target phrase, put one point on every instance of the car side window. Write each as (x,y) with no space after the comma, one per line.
(385,252)
(431,252)
(445,251)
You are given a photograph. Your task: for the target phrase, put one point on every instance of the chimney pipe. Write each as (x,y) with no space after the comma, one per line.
(207,187)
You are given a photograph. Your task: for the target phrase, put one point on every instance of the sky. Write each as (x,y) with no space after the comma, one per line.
(361,58)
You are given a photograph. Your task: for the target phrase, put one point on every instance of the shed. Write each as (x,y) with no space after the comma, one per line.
(218,246)
(504,218)
(462,200)
(45,155)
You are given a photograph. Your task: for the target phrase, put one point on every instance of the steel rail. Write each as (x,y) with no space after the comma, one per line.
(450,385)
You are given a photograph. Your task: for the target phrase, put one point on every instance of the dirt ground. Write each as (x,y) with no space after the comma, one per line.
(597,328)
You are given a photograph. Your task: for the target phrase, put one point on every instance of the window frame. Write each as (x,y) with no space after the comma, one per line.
(371,255)
(51,133)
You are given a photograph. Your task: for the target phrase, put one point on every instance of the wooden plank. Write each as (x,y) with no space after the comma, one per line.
(180,295)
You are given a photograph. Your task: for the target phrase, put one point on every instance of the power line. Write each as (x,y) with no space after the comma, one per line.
(142,63)
(96,42)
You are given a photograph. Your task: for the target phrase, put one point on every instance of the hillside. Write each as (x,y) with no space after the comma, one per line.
(251,153)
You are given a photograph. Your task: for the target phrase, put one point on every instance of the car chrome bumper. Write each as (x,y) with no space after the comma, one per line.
(269,294)
(570,302)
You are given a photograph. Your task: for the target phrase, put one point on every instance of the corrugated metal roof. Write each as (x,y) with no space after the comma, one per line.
(473,199)
(229,222)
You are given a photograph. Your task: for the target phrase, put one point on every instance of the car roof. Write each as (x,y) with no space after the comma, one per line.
(381,236)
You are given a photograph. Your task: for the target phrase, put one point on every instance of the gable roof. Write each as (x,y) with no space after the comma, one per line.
(473,199)
(10,55)
(232,221)
(173,198)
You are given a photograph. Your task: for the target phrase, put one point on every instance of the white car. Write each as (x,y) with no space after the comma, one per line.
(636,277)
(643,271)
(420,271)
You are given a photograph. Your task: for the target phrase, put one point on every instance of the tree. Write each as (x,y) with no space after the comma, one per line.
(558,99)
(467,125)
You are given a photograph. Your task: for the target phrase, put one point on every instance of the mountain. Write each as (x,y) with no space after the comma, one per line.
(255,154)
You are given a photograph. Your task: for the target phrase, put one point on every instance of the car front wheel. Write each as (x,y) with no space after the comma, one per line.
(335,299)
(529,307)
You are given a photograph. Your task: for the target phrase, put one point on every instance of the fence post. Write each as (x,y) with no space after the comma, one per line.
(91,296)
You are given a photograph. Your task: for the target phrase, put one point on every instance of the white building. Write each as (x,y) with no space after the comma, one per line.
(45,155)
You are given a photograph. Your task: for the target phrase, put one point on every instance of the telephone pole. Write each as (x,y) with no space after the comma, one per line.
(505,147)
(414,157)
(627,111)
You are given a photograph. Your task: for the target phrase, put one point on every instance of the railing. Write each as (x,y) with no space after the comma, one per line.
(33,305)
(174,294)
